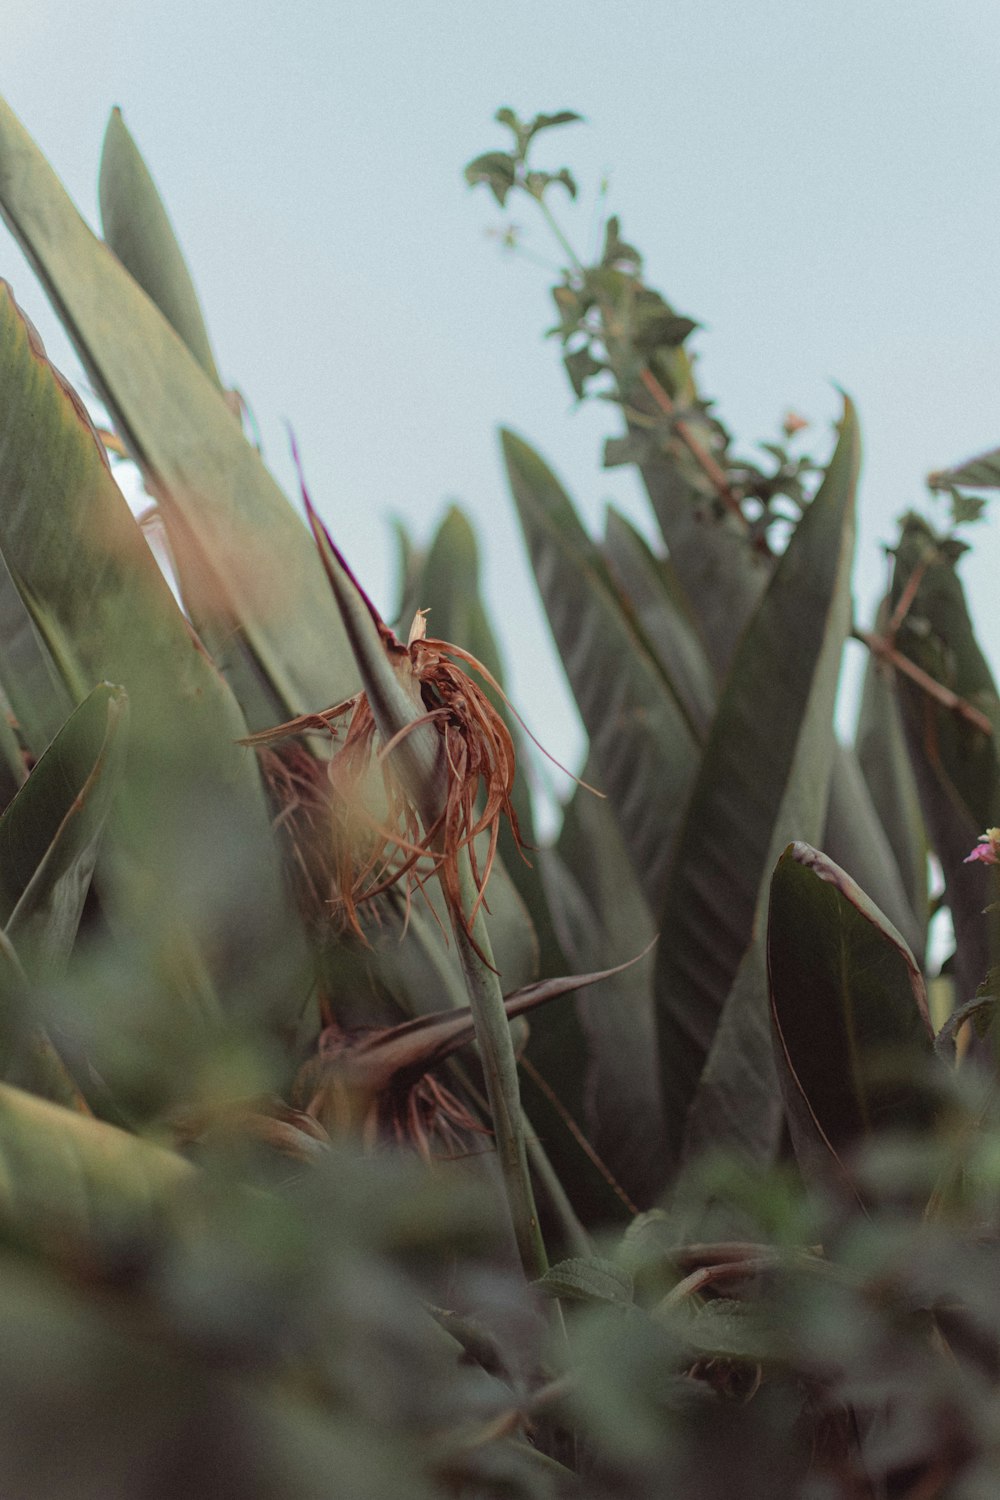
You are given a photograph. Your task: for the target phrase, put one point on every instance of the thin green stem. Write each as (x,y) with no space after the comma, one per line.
(500,1071)
(555,227)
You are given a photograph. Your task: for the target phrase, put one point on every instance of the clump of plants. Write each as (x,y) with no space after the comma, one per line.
(350,1142)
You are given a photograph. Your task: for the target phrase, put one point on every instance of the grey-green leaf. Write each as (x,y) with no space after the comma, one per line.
(793,642)
(138,230)
(643,746)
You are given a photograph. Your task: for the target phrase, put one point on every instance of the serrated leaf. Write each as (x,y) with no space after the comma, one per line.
(138,230)
(643,748)
(849,1010)
(588,1280)
(247,567)
(779,696)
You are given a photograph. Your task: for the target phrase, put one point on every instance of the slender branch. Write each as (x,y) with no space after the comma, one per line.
(906,599)
(709,465)
(883,649)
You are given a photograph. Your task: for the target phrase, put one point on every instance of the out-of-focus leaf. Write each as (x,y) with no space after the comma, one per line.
(590,1280)
(138,230)
(13,768)
(664,613)
(849,1010)
(856,839)
(135,1418)
(67,1180)
(955,762)
(643,748)
(104,613)
(51,832)
(880,744)
(38,698)
(980,473)
(775,713)
(496,169)
(247,567)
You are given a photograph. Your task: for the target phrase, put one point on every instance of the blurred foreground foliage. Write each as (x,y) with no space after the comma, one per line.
(347,1151)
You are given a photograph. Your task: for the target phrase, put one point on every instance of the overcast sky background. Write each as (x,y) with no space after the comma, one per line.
(817,184)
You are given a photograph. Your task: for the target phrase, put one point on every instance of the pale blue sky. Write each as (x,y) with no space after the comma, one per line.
(819,184)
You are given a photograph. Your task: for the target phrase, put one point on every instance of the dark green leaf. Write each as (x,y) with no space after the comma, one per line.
(649,585)
(880,745)
(774,718)
(955,762)
(849,1010)
(855,839)
(643,748)
(497,169)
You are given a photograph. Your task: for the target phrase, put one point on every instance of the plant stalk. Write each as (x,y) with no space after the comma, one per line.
(500,1070)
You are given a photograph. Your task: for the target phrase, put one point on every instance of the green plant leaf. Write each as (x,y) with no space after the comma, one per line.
(643,747)
(880,744)
(979,473)
(104,612)
(593,1279)
(137,228)
(51,832)
(849,1011)
(247,567)
(605,917)
(955,762)
(67,1179)
(650,587)
(497,169)
(856,839)
(774,719)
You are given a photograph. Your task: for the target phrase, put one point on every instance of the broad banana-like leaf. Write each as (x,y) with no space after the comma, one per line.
(51,832)
(775,715)
(880,744)
(137,228)
(660,605)
(849,1009)
(856,839)
(247,567)
(643,746)
(101,607)
(955,757)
